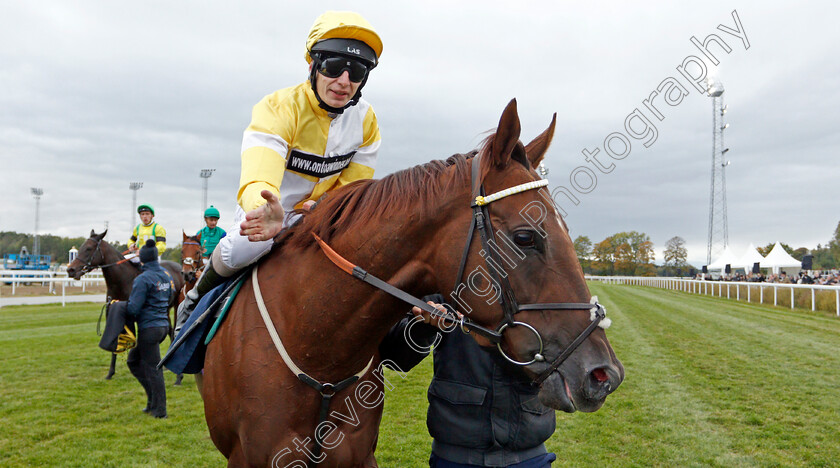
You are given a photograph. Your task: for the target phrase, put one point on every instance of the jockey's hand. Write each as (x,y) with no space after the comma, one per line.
(264,222)
(132,248)
(436,321)
(309,205)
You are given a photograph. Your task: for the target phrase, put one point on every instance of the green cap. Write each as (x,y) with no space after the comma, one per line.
(146,207)
(211,212)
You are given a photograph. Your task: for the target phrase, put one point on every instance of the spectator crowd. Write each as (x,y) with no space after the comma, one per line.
(820,277)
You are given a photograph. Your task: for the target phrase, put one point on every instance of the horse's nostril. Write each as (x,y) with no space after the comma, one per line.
(600,375)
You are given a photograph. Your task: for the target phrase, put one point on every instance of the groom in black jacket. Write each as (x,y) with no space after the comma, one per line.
(481,414)
(148,304)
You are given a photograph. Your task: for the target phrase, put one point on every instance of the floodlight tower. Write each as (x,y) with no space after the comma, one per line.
(205,174)
(37,192)
(134,186)
(718,222)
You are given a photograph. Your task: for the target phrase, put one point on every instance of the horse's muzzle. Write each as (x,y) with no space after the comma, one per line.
(601,382)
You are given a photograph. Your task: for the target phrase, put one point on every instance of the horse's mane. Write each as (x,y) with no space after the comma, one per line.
(367,200)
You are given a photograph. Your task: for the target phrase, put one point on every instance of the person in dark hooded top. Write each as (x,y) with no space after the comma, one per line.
(148,305)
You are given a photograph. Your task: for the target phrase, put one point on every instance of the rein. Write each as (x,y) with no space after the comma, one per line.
(466,324)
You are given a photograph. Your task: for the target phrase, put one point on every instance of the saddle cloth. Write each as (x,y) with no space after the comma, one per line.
(189,358)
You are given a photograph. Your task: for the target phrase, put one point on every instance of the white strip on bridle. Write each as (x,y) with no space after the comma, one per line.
(481,201)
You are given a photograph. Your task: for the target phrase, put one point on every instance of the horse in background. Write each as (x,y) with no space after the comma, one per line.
(407,228)
(119,274)
(192,262)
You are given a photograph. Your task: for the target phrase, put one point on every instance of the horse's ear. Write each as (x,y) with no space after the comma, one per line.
(507,135)
(92,233)
(536,149)
(104,232)
(184,234)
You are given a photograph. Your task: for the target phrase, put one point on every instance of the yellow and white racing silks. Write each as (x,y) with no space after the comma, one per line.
(153,231)
(297,150)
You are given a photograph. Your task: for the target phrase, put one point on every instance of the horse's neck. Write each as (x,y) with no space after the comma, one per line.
(338,307)
(118,278)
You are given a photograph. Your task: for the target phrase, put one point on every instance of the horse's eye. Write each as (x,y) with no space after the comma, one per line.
(524,238)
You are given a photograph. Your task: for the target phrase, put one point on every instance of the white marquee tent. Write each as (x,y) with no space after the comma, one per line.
(726,258)
(778,258)
(750,256)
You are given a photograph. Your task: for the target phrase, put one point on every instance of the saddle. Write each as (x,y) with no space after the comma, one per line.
(186,353)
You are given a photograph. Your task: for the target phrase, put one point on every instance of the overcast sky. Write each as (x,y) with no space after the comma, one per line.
(98,94)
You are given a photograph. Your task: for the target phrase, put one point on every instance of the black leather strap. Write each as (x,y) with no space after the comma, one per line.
(467,324)
(327,391)
(570,349)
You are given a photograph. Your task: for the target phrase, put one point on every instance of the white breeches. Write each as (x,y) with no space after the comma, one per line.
(134,257)
(235,250)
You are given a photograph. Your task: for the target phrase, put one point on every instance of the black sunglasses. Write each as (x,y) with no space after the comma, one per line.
(333,67)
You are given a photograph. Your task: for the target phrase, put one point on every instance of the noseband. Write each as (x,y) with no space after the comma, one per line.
(507,298)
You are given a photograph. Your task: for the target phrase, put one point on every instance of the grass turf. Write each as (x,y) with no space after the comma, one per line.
(710,382)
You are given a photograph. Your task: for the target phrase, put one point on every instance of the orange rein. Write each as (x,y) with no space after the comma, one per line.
(339,261)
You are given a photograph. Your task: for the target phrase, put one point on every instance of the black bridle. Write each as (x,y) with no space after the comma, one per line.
(191,261)
(89,266)
(507,298)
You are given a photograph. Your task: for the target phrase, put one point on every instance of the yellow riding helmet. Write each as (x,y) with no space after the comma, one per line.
(343,25)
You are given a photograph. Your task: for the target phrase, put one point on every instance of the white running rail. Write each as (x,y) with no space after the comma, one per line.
(719,288)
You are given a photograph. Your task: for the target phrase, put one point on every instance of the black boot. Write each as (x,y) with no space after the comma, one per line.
(209,280)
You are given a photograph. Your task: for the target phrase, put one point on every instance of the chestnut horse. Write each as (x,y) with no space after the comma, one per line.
(118,272)
(408,229)
(192,263)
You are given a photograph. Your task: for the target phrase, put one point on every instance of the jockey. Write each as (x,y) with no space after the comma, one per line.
(303,142)
(210,234)
(147,229)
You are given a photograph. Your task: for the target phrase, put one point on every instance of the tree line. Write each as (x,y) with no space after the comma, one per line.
(623,253)
(632,254)
(59,247)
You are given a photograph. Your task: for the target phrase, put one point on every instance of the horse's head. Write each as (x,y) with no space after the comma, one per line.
(521,277)
(89,257)
(191,261)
